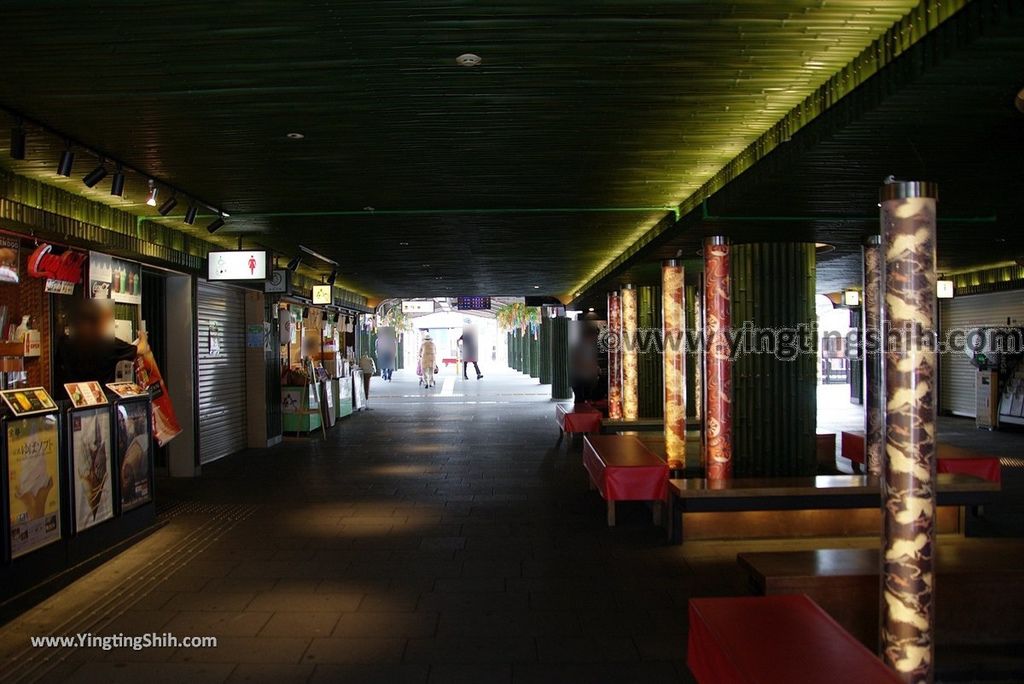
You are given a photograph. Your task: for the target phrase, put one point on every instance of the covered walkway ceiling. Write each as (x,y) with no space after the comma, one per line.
(529,172)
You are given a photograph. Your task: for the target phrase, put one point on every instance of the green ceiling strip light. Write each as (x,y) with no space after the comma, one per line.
(906,32)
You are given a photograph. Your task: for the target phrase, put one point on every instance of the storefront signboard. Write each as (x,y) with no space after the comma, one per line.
(321,294)
(33,483)
(10,259)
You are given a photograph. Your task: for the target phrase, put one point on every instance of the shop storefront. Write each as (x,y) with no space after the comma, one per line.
(87,415)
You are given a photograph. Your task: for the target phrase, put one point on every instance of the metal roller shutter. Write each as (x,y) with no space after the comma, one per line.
(222,419)
(957,375)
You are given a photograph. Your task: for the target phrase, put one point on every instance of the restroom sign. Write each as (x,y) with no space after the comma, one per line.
(237,265)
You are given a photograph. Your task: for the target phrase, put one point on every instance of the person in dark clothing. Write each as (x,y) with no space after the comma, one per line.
(89,350)
(584,369)
(469,353)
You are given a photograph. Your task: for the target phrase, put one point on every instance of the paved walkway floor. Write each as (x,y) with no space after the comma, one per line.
(431,539)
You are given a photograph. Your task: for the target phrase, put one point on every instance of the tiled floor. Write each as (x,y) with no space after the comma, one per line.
(432,539)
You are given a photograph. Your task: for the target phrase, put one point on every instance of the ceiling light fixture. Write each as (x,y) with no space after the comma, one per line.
(168,205)
(468,60)
(333,277)
(117,182)
(190,214)
(67,161)
(294,136)
(151,197)
(95,176)
(216,224)
(18,141)
(293,265)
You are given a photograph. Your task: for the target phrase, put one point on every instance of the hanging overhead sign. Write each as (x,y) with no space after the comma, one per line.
(475,303)
(238,265)
(322,294)
(418,306)
(278,282)
(61,271)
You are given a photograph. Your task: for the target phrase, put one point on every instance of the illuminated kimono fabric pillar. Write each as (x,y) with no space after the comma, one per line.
(614,356)
(717,364)
(630,398)
(673,317)
(908,481)
(871,335)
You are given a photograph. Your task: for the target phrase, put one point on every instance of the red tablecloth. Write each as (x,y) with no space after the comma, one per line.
(578,418)
(623,469)
(775,640)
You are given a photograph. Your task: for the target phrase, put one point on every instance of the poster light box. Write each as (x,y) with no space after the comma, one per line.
(238,265)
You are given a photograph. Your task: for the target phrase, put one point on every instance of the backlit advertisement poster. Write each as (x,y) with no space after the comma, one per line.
(84,394)
(91,454)
(33,483)
(126,282)
(27,400)
(133,457)
(101,275)
(10,255)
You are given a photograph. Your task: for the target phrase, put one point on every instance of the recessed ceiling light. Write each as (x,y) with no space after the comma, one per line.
(468,60)
(403,244)
(294,136)
(536,287)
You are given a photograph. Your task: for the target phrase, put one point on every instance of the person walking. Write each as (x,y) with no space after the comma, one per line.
(387,352)
(428,353)
(368,368)
(469,353)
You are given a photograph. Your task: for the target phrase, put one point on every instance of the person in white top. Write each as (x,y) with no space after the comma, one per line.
(427,356)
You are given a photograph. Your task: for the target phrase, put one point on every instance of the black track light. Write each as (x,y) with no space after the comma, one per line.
(168,205)
(190,214)
(333,277)
(18,142)
(67,161)
(294,263)
(117,182)
(95,176)
(216,224)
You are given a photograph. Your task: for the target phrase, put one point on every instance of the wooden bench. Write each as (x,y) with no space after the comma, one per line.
(979,589)
(623,469)
(693,495)
(775,640)
(575,418)
(951,459)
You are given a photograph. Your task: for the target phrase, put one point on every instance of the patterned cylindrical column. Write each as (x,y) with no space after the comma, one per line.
(673,326)
(717,364)
(614,356)
(630,398)
(908,480)
(874,402)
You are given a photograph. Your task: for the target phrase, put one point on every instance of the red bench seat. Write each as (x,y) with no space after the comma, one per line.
(621,468)
(574,418)
(775,640)
(952,459)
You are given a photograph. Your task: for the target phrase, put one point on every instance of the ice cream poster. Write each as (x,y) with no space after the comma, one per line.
(33,483)
(133,445)
(91,453)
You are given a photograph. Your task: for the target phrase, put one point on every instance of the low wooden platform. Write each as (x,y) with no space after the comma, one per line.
(979,588)
(951,459)
(621,468)
(577,418)
(745,501)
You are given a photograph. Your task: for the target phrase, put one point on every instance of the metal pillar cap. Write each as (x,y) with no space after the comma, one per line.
(873,240)
(672,262)
(716,240)
(629,286)
(908,189)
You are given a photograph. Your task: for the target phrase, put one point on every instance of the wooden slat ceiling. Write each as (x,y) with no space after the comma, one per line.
(591,106)
(942,112)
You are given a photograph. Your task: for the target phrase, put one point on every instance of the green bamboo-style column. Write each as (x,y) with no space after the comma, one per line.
(908,469)
(545,350)
(508,347)
(526,352)
(534,354)
(650,373)
(515,350)
(560,387)
(775,378)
